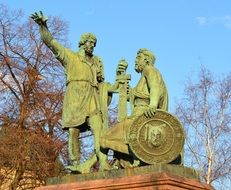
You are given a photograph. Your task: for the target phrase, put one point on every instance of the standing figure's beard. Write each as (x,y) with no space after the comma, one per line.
(89,51)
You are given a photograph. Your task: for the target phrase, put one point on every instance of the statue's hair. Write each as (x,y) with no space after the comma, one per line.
(85,37)
(150,57)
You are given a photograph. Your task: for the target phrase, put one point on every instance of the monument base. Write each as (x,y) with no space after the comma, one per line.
(167,177)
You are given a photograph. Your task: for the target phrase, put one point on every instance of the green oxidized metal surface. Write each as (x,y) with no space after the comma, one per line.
(158,139)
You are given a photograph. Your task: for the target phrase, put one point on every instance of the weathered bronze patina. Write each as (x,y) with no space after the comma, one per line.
(150,135)
(158,139)
(86,95)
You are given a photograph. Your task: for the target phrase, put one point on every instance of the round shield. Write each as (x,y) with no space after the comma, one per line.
(158,139)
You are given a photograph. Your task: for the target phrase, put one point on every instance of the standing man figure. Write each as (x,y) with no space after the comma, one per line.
(81,106)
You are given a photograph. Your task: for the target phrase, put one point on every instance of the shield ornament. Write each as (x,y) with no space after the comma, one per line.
(158,139)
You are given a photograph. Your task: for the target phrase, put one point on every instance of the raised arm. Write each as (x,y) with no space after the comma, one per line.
(58,50)
(41,20)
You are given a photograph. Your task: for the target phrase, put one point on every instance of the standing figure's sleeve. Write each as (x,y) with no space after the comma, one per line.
(61,53)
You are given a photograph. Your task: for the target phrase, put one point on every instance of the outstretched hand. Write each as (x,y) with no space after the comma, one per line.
(39,18)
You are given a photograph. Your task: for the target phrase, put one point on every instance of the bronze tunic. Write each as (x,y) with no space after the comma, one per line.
(81,98)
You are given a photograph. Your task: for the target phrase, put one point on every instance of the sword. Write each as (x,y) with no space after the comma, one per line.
(123,80)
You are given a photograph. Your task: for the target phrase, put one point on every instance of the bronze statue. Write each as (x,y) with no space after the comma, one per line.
(142,133)
(150,135)
(82,106)
(149,94)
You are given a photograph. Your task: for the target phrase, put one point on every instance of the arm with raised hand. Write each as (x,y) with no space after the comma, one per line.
(47,38)
(41,20)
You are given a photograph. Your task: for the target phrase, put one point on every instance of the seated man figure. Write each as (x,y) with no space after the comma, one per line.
(149,94)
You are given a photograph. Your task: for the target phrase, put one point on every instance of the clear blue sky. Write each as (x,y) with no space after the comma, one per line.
(183,34)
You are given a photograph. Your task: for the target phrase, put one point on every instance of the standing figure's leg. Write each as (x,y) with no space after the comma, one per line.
(75,155)
(96,125)
(74,146)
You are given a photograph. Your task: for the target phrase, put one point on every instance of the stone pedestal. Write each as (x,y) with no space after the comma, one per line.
(167,177)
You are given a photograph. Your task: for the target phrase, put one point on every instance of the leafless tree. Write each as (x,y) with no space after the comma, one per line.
(205,111)
(31,91)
